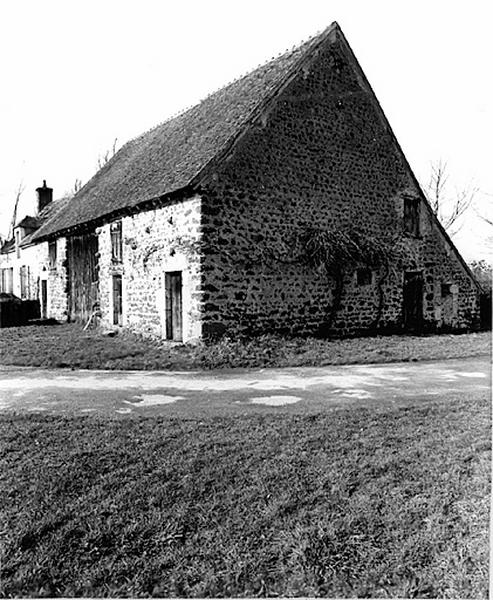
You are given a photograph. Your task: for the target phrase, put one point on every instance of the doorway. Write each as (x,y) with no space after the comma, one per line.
(44,299)
(412,308)
(173,305)
(82,276)
(117,300)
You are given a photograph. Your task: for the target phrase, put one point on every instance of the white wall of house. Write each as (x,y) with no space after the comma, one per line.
(34,261)
(28,266)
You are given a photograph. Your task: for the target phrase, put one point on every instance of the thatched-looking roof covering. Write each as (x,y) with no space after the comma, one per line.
(171,156)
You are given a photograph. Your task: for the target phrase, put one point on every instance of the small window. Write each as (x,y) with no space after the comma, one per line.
(446,289)
(411,216)
(7,280)
(52,255)
(364,276)
(116,241)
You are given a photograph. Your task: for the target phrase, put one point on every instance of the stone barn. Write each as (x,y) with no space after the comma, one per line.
(280,203)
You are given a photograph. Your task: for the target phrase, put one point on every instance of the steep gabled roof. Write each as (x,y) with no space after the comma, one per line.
(171,156)
(29,222)
(50,211)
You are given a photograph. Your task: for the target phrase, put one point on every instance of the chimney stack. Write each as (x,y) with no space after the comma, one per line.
(45,196)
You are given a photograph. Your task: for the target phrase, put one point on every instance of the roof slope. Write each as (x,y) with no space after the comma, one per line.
(168,157)
(29,222)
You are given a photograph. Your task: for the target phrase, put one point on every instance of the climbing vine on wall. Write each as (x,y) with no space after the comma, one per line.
(335,251)
(343,250)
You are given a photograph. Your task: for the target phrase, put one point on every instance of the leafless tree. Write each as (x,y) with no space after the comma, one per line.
(486,214)
(20,189)
(448,205)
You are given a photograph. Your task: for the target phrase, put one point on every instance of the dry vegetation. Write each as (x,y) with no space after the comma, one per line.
(69,346)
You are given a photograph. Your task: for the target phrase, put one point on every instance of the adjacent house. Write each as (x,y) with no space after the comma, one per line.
(29,269)
(282,202)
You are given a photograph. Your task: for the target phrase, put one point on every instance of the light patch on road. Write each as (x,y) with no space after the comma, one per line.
(275,400)
(155,400)
(357,393)
(472,374)
(123,411)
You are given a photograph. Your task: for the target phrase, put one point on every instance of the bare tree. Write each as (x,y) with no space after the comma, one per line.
(448,205)
(108,155)
(486,214)
(20,189)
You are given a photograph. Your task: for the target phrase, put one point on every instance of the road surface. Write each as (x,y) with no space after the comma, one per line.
(134,393)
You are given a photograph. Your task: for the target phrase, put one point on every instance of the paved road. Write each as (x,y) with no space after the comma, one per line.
(133,393)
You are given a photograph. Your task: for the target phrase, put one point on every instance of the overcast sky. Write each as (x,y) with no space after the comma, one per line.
(76,75)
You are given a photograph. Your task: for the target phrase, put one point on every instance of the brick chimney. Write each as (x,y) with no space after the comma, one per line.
(45,196)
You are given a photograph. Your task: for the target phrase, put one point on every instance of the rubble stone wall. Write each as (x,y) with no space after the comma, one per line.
(57,281)
(322,156)
(154,242)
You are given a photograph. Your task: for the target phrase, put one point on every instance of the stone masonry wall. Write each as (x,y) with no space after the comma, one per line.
(321,156)
(155,241)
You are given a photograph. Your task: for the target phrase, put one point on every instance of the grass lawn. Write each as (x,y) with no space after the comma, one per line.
(366,502)
(68,346)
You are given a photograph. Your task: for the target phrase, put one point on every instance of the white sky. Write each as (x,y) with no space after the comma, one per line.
(76,75)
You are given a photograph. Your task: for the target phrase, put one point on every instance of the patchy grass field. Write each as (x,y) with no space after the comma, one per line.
(363,502)
(68,346)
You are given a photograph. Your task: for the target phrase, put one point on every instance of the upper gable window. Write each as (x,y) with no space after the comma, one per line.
(411,216)
(116,241)
(364,276)
(52,255)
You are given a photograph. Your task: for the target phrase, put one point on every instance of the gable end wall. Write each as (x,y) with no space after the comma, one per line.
(321,155)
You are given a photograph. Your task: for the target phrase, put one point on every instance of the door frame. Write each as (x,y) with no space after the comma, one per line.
(413,312)
(44,298)
(173,305)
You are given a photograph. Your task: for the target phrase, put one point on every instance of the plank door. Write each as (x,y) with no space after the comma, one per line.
(173,305)
(117,300)
(44,298)
(82,276)
(413,301)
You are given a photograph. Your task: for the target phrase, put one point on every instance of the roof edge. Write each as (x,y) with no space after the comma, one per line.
(183,193)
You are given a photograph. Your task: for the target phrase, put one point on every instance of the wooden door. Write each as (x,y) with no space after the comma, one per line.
(173,305)
(44,299)
(82,275)
(413,301)
(117,300)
